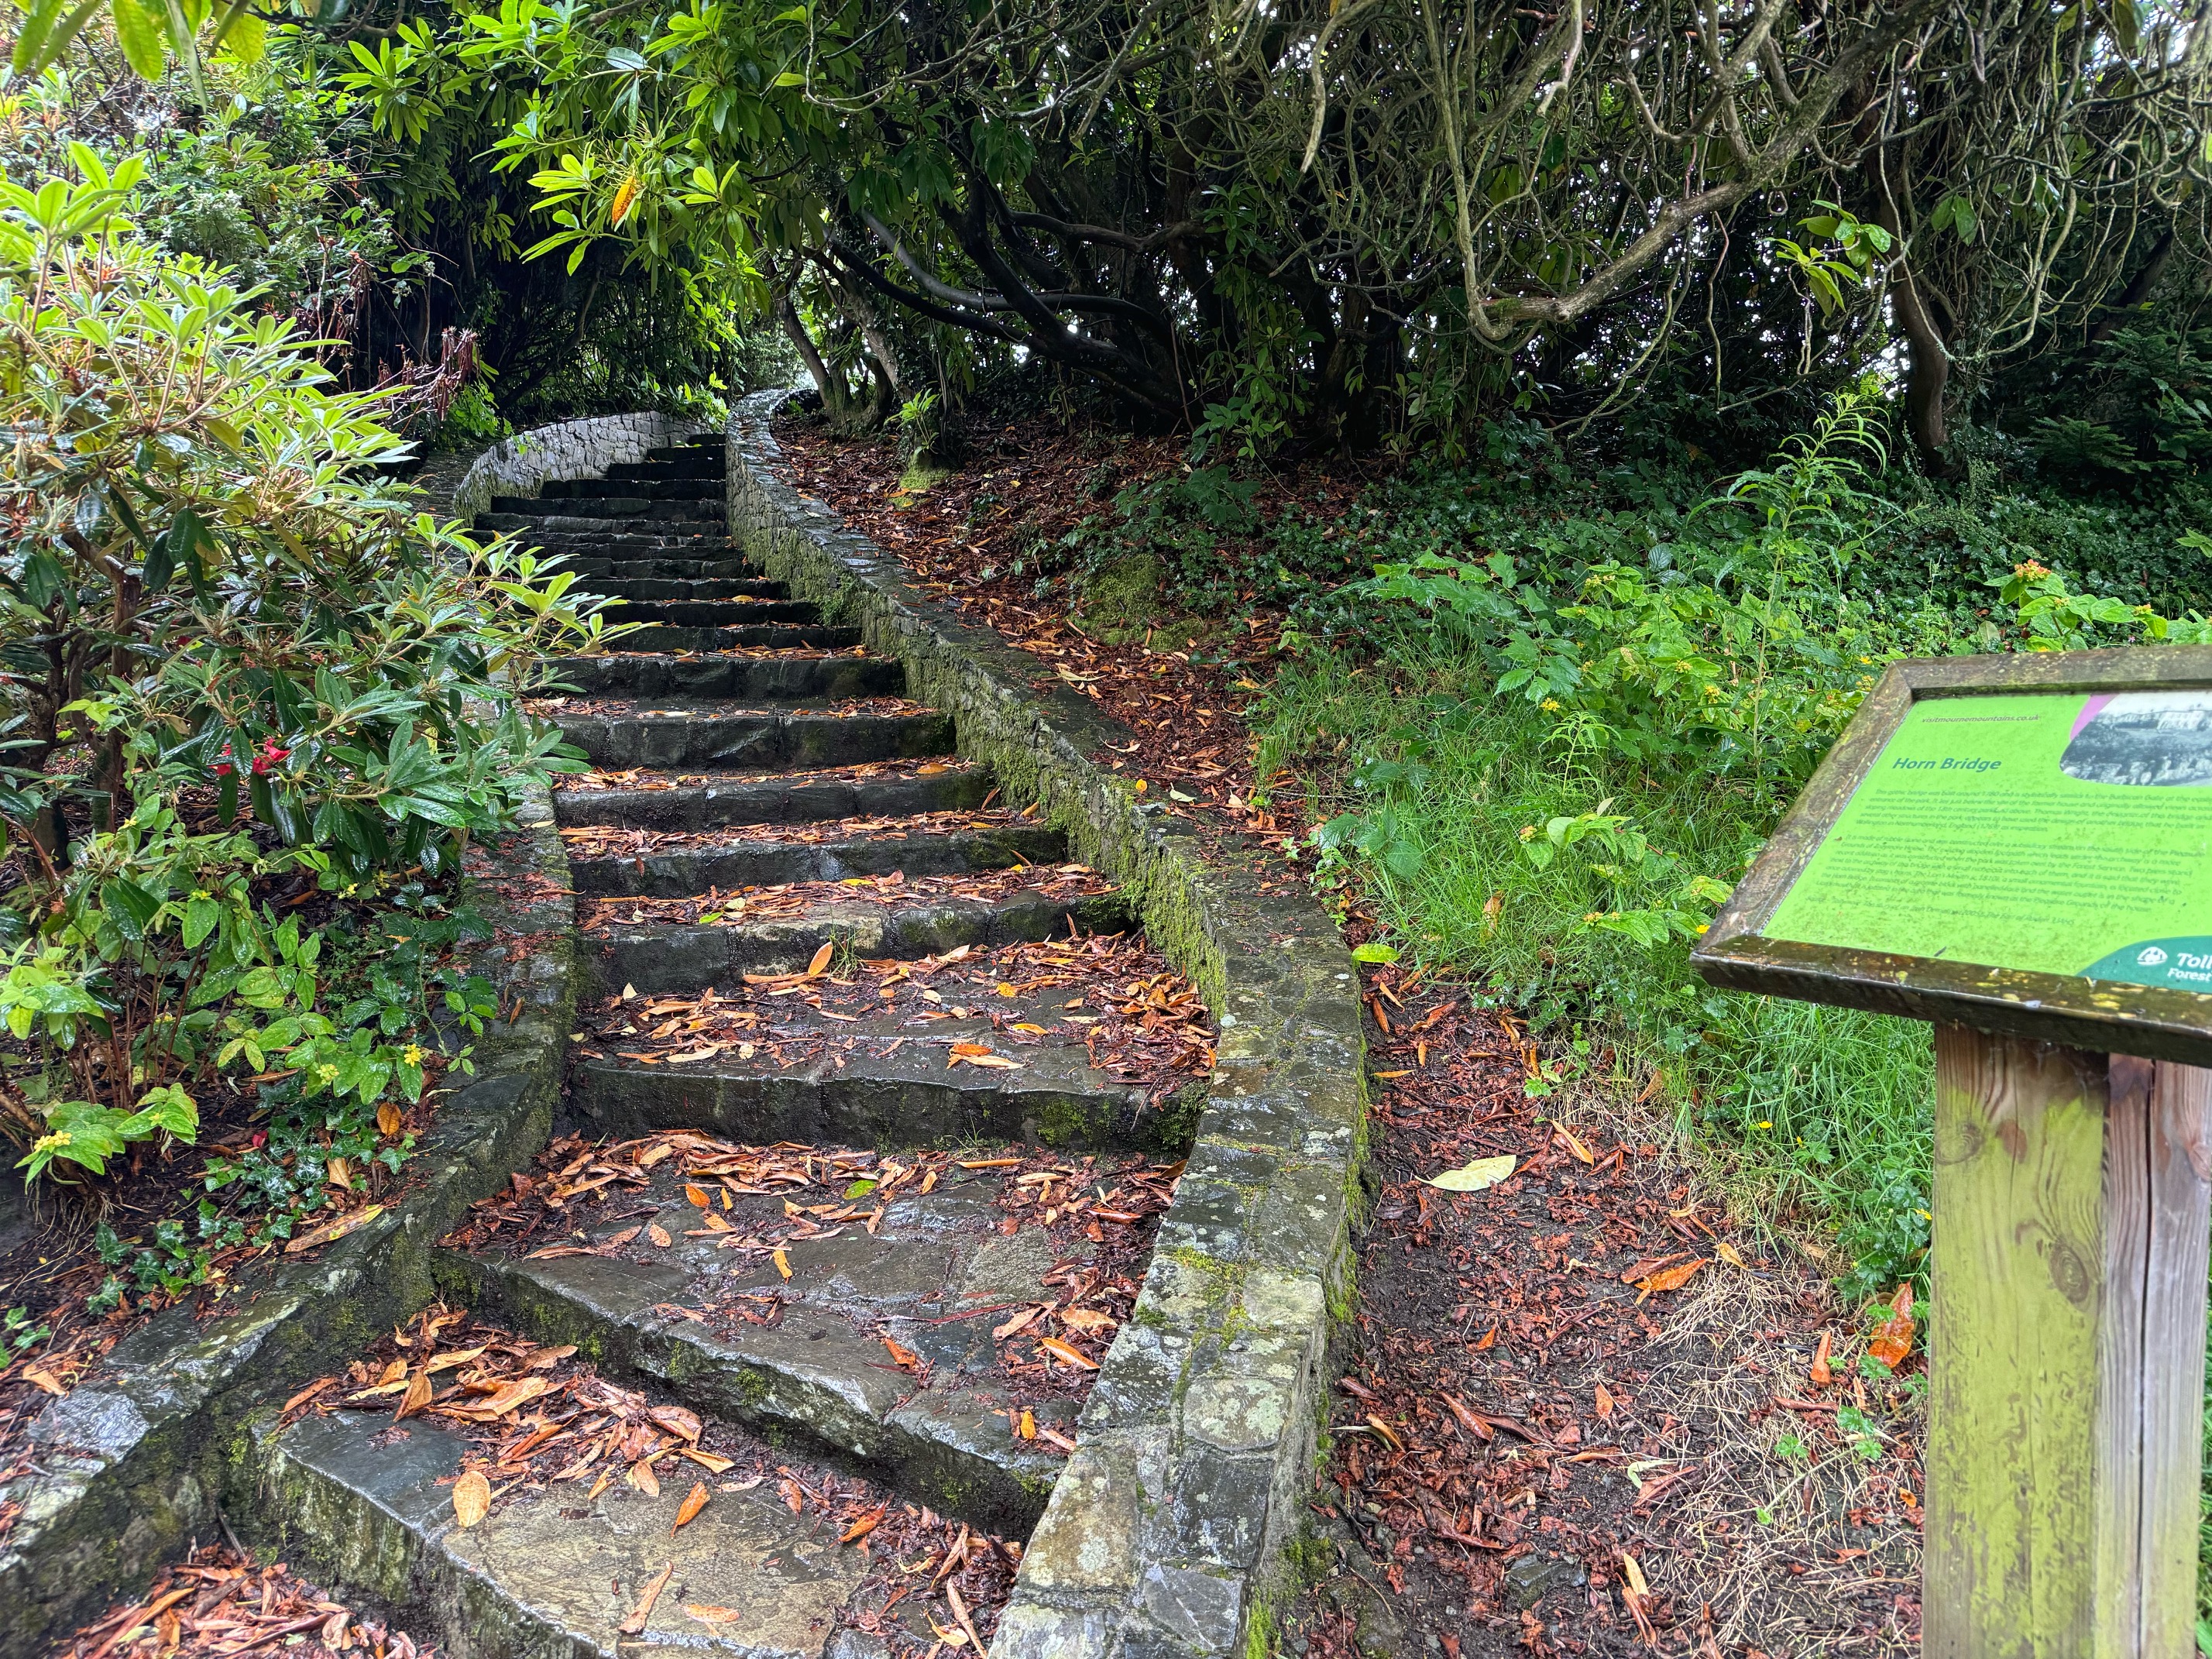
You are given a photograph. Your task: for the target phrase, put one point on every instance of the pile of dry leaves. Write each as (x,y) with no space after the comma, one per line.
(641,777)
(216,1603)
(607,840)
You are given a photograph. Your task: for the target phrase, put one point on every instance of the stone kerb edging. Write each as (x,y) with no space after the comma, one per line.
(569,449)
(1164,1533)
(132,1464)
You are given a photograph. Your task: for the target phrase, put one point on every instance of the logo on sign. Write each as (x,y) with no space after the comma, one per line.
(2152,958)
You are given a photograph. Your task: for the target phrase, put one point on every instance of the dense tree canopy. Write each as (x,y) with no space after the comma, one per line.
(1337,221)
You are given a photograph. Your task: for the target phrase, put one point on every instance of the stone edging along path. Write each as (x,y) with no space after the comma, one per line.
(1164,1532)
(134,1462)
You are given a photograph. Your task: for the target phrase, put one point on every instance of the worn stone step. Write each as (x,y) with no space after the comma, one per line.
(646,564)
(545,1575)
(673,463)
(617,734)
(625,586)
(813,1378)
(879,1083)
(716,613)
(732,860)
(657,956)
(621,546)
(715,799)
(663,488)
(749,676)
(632,509)
(569,531)
(788,636)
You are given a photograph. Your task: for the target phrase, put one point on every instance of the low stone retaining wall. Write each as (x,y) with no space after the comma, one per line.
(569,449)
(130,1466)
(1164,1533)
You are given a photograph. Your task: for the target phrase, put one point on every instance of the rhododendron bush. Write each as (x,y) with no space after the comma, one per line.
(233,659)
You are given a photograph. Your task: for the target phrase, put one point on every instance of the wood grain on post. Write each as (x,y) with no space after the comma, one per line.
(2067,1351)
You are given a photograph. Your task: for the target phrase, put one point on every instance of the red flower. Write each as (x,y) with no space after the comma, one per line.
(271,755)
(223,769)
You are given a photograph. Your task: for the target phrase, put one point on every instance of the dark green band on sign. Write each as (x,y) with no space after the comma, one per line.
(2184,963)
(2033,831)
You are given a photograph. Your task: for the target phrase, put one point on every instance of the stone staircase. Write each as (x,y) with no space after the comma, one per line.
(839,1119)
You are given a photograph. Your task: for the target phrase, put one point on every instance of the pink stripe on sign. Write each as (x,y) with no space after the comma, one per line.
(2089,712)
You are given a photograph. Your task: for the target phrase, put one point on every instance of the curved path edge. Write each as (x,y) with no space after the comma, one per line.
(1165,1532)
(138,1460)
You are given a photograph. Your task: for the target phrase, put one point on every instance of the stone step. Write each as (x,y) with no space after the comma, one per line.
(750,677)
(570,531)
(545,1574)
(780,636)
(632,509)
(617,734)
(659,489)
(624,586)
(820,1379)
(716,613)
(738,858)
(659,954)
(714,800)
(646,564)
(673,463)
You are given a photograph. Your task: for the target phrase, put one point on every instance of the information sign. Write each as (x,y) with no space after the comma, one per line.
(2031,859)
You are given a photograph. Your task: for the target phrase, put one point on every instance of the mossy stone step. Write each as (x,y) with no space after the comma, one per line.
(545,1575)
(623,586)
(791,636)
(634,508)
(716,613)
(729,797)
(821,1378)
(663,488)
(648,564)
(678,736)
(752,678)
(675,873)
(687,956)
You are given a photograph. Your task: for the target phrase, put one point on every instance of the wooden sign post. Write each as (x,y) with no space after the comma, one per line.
(2019,850)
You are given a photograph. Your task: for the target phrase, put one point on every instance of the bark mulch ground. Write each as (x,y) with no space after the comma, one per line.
(1577,1412)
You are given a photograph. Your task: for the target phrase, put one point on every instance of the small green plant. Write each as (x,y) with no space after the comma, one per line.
(18,1335)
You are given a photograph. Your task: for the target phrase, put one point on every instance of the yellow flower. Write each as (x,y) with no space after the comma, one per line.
(326,1074)
(1766,1126)
(413,1054)
(1550,705)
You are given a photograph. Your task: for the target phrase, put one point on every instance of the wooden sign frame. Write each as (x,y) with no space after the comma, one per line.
(2155,1022)
(2072,1206)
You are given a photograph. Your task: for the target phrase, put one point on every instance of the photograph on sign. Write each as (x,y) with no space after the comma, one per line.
(2057,833)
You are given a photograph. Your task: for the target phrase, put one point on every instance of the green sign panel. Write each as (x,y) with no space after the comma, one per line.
(2064,833)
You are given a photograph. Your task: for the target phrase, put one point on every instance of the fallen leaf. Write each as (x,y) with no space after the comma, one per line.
(1477,1425)
(1892,1338)
(708,1461)
(1728,1253)
(679,1421)
(693,1503)
(1672,1279)
(1029,1426)
(1027,1315)
(793,1494)
(1060,1350)
(861,1527)
(782,1263)
(1474,1177)
(658,1235)
(1823,1373)
(642,1476)
(417,1396)
(1574,1142)
(1388,1433)
(904,1357)
(472,1497)
(335,1230)
(635,1625)
(814,969)
(1604,1401)
(698,1198)
(41,1378)
(708,1614)
(387,1119)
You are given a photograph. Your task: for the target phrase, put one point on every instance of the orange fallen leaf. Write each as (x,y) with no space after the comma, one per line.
(1604,1401)
(41,1378)
(1489,1337)
(635,1625)
(658,1235)
(815,968)
(793,1494)
(693,1503)
(782,1263)
(901,1356)
(696,1196)
(472,1497)
(416,1397)
(1026,1316)
(1574,1142)
(707,1460)
(387,1119)
(1892,1338)
(1388,1434)
(1824,1373)
(1728,1253)
(642,1476)
(1673,1279)
(861,1527)
(1060,1350)
(1029,1428)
